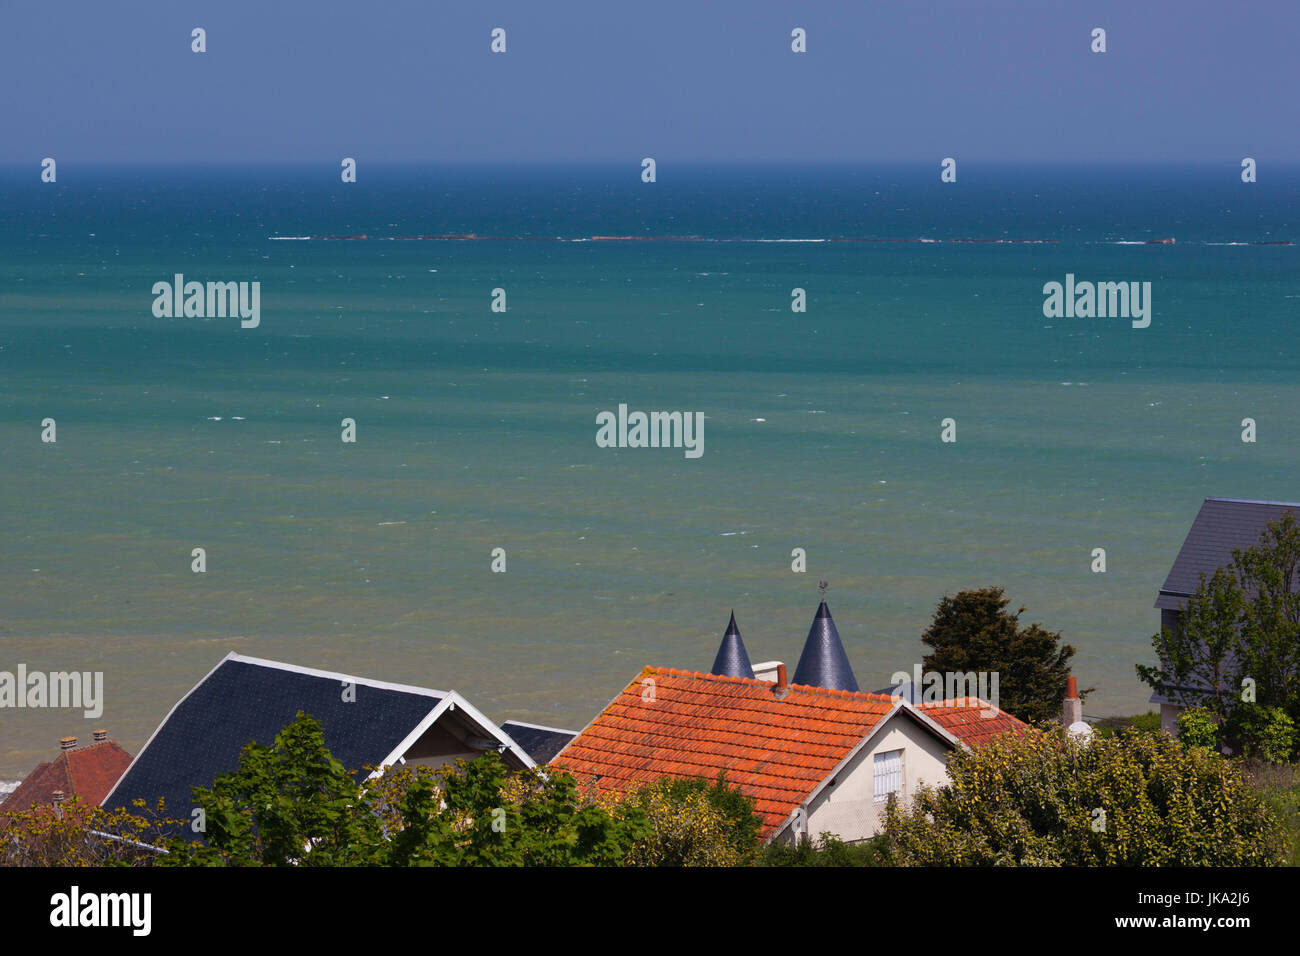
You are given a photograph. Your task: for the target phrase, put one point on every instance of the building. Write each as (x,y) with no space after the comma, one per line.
(366,724)
(87,773)
(814,758)
(1222,525)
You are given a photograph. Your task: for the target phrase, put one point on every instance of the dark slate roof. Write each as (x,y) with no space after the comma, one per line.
(245,699)
(732,659)
(540,743)
(823,662)
(1221,525)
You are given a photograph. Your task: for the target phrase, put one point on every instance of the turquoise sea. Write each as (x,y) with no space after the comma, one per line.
(476,429)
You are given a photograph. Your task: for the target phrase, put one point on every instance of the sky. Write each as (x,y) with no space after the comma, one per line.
(390,81)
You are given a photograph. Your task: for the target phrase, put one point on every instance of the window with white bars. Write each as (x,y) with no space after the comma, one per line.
(889,774)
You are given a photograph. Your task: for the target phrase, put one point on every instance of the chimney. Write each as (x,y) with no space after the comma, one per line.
(1072,710)
(58,796)
(101,736)
(67,743)
(781,689)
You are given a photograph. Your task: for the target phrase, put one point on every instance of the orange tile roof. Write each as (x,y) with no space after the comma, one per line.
(776,751)
(964,718)
(88,772)
(696,725)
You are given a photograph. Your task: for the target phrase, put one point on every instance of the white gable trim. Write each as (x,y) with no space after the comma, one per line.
(314,672)
(450,703)
(524,723)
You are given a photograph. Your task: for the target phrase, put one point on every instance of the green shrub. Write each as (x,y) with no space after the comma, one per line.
(1263,733)
(1130,800)
(695,823)
(1197,727)
(828,850)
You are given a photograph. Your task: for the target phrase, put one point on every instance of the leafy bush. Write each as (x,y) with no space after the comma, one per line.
(1197,727)
(78,834)
(1043,799)
(686,828)
(828,850)
(1279,785)
(1263,733)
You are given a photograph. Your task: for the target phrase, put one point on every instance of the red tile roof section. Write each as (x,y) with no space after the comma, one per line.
(777,751)
(88,772)
(971,720)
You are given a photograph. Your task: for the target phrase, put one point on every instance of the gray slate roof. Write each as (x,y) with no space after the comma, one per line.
(247,698)
(1221,525)
(732,659)
(823,662)
(540,743)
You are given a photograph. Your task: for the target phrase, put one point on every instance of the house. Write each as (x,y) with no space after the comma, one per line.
(366,723)
(1222,525)
(87,773)
(814,758)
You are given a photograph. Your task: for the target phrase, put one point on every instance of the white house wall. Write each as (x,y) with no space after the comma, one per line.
(849,808)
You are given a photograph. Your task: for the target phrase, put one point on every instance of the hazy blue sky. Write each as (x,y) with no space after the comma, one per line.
(613,80)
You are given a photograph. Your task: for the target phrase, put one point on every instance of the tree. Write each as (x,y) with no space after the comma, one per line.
(973,631)
(1236,651)
(294,804)
(288,804)
(1043,798)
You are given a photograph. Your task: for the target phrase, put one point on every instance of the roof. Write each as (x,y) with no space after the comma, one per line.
(1221,525)
(540,743)
(964,718)
(687,724)
(86,772)
(250,699)
(732,659)
(823,662)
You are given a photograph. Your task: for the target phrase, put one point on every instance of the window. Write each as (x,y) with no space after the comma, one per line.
(889,774)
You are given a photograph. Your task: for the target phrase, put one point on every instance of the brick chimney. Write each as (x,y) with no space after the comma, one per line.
(1072,710)
(67,743)
(101,736)
(781,689)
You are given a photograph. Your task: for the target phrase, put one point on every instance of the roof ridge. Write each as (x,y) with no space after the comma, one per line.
(236,658)
(1255,501)
(802,688)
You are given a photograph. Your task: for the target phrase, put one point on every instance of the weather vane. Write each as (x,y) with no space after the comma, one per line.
(823,585)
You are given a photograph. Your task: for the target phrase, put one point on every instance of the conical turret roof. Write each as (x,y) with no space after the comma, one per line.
(823,662)
(732,659)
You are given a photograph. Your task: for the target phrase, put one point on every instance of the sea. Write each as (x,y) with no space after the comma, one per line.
(475,429)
